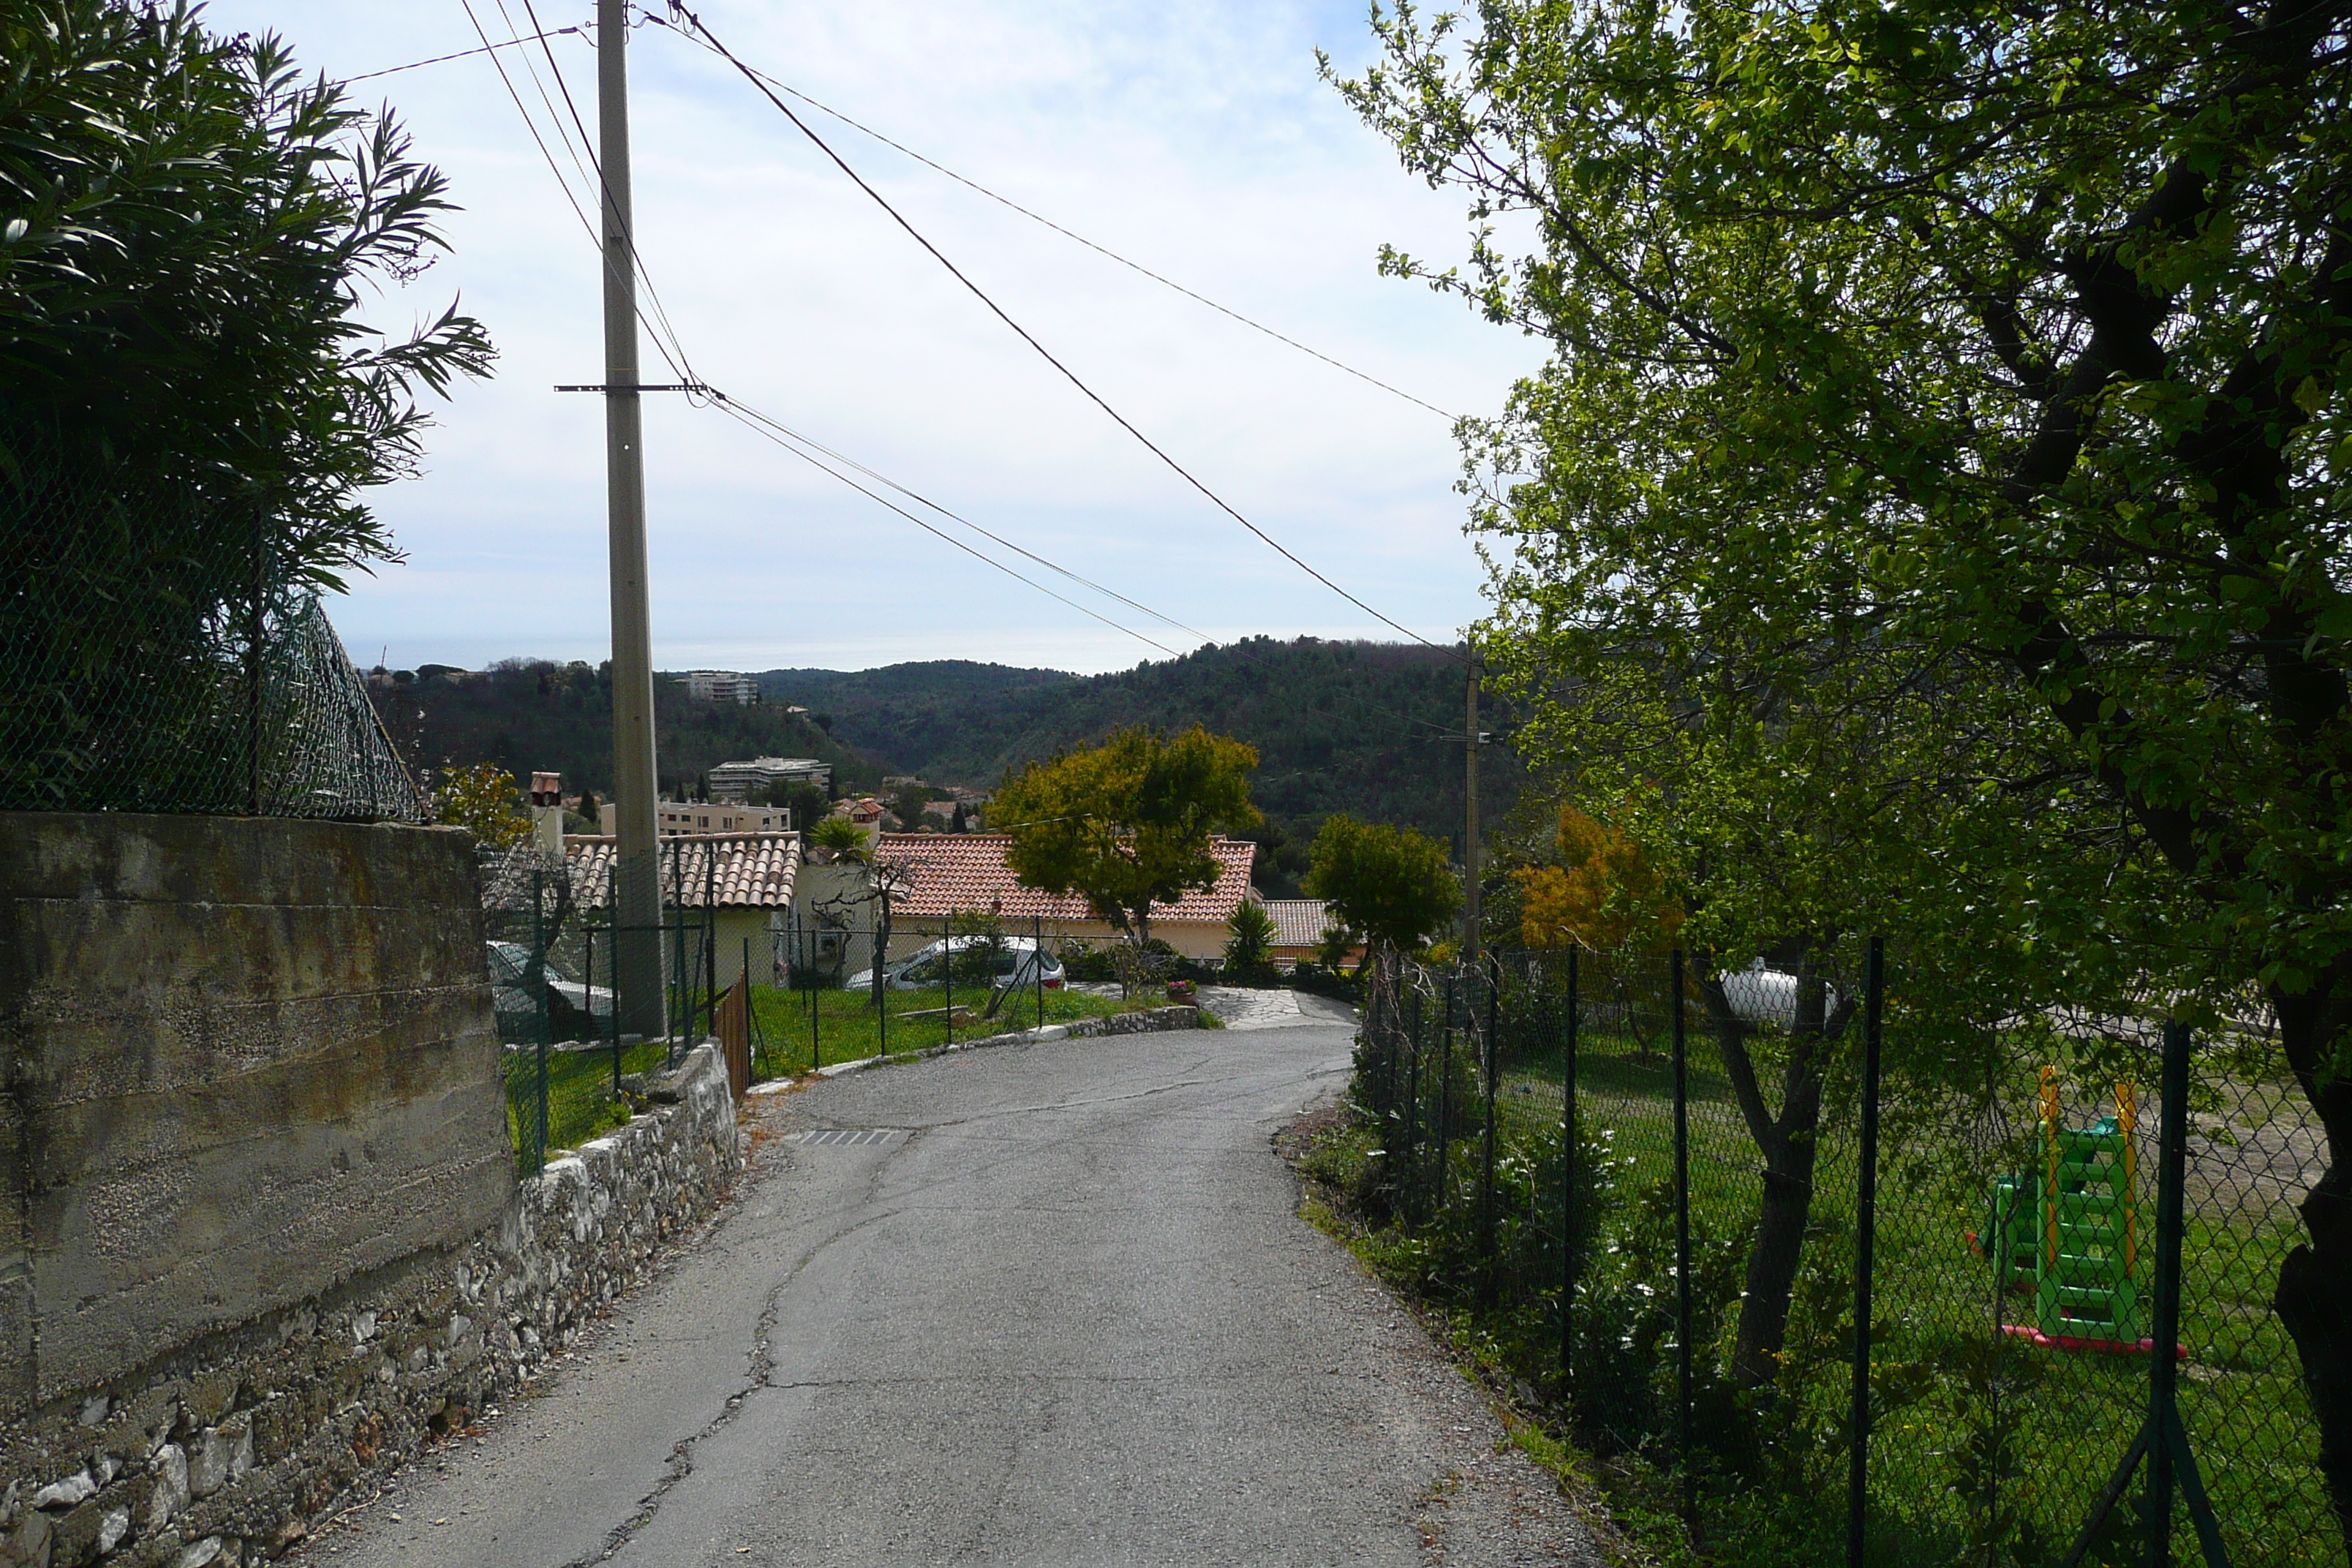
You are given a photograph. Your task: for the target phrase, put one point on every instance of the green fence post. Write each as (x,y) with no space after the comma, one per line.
(539,1002)
(2163,1367)
(1682,1240)
(1568,1185)
(1866,1245)
(1444,1095)
(1490,1287)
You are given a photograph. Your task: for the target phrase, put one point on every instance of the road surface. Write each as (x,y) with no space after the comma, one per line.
(1046,1304)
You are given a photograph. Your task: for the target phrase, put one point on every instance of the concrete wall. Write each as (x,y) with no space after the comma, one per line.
(247,1061)
(224,1453)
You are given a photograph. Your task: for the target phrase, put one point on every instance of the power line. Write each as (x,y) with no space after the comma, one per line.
(749,422)
(745,411)
(588,149)
(673,352)
(1068,233)
(464,53)
(595,237)
(1023,333)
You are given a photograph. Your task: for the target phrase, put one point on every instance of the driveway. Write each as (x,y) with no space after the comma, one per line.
(1046,1304)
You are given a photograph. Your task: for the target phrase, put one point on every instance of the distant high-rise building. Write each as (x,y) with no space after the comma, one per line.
(722,686)
(737,780)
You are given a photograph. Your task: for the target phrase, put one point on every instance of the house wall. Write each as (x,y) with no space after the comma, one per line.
(246,1060)
(1203,940)
(738,927)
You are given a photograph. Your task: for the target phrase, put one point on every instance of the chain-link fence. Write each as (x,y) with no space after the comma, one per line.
(784,987)
(862,981)
(157,653)
(1677,1279)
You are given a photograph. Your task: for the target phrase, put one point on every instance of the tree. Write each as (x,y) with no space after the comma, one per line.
(839,835)
(1126,824)
(808,802)
(2007,345)
(484,800)
(1249,951)
(1390,883)
(188,399)
(1605,892)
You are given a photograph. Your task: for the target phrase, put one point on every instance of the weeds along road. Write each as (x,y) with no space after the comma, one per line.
(1056,1307)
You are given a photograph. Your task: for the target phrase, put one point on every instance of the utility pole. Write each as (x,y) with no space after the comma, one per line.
(636,871)
(1470,810)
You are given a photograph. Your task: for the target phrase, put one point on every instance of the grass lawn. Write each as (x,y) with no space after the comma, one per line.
(1977,1424)
(580,1102)
(802,1028)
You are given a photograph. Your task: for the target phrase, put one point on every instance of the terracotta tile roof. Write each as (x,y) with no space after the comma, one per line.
(1299,923)
(755,871)
(959,871)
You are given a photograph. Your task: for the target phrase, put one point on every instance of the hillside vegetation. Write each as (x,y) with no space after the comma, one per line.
(1338,726)
(526,714)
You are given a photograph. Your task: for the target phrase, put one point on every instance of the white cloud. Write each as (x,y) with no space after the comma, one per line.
(1195,139)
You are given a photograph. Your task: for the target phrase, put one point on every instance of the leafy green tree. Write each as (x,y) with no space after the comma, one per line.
(908,807)
(189,227)
(2007,346)
(190,408)
(1390,883)
(1126,824)
(486,801)
(808,802)
(1249,951)
(840,837)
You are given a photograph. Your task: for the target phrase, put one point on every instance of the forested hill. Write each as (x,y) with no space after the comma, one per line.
(1338,726)
(527,715)
(1353,726)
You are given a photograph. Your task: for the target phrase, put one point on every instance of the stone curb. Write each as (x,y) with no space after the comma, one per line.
(1153,1020)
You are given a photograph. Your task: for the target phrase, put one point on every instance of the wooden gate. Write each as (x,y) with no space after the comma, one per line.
(735,1034)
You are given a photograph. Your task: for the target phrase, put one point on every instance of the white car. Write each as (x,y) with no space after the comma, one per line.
(1761,996)
(1016,966)
(571,1007)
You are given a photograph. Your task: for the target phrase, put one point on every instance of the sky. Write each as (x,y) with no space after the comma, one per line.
(1195,139)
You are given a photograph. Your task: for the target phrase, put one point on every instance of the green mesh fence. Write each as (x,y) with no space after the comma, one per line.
(155,655)
(1676,1284)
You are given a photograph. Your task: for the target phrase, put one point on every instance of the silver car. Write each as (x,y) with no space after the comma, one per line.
(572,1009)
(1016,966)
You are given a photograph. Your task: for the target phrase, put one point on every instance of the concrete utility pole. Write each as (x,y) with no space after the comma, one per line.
(636,870)
(1470,811)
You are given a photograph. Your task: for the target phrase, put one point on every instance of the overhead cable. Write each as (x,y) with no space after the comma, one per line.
(1047,354)
(464,53)
(1068,233)
(674,353)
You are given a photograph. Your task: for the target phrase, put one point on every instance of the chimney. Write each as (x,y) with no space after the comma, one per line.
(547,813)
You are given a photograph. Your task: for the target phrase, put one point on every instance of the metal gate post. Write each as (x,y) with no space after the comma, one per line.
(1682,1237)
(1568,1184)
(2164,1365)
(1489,1286)
(1865,1252)
(1445,1094)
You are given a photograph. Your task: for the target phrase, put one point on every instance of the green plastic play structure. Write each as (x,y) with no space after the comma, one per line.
(2067,1234)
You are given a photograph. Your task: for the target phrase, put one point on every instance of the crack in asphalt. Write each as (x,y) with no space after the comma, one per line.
(760,1367)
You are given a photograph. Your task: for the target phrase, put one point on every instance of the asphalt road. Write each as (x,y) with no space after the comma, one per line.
(1058,1309)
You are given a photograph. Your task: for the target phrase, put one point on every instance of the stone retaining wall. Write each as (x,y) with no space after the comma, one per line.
(218,1454)
(242,1060)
